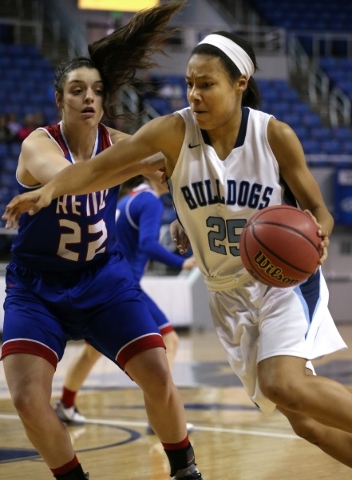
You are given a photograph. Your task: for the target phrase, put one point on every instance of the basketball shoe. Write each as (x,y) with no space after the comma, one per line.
(190,473)
(69,415)
(75,475)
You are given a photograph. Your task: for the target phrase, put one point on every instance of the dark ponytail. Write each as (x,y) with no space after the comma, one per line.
(130,48)
(251,97)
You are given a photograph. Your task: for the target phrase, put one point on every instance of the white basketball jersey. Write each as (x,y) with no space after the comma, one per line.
(214,198)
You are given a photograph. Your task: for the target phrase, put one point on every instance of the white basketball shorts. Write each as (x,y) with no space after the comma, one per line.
(255,322)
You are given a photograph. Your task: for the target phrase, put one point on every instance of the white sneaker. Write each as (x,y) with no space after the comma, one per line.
(69,415)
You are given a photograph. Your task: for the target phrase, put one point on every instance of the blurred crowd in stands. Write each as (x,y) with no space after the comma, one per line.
(13,130)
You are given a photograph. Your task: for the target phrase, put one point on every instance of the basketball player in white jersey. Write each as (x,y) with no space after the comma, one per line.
(225,160)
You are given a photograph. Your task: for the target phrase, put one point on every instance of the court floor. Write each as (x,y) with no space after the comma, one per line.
(232,439)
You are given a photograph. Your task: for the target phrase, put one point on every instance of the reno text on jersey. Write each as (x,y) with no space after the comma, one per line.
(72,204)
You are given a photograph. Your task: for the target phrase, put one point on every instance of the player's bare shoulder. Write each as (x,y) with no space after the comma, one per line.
(283,141)
(279,131)
(38,142)
(170,129)
(178,124)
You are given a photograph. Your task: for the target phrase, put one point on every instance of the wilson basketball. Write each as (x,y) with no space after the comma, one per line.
(280,246)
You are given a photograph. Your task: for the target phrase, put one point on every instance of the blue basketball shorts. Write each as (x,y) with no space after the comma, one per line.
(102,304)
(158,315)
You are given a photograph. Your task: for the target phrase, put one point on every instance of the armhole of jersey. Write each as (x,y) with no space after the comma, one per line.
(33,187)
(52,138)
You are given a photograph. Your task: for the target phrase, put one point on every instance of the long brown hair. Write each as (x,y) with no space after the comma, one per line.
(130,48)
(125,51)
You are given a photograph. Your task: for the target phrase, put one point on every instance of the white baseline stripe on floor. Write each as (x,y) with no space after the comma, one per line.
(196,428)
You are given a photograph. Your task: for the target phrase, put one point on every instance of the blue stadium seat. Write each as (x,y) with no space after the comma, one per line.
(315,16)
(5,63)
(269,95)
(321,133)
(17,97)
(14,74)
(5,195)
(15,149)
(4,151)
(289,96)
(279,109)
(300,108)
(292,119)
(311,120)
(24,62)
(31,51)
(342,133)
(327,63)
(332,147)
(311,146)
(302,133)
(50,113)
(8,179)
(9,164)
(346,147)
(14,50)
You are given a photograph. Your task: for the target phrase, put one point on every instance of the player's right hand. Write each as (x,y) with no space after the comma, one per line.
(30,202)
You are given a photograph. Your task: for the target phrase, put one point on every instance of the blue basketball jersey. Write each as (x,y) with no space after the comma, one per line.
(74,230)
(138,224)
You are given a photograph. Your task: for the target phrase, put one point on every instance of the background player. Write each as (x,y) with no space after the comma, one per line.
(67,280)
(139,213)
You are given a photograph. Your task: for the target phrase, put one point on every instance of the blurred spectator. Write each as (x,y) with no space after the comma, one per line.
(27,128)
(13,124)
(5,134)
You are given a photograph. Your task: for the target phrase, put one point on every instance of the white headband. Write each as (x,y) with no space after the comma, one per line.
(236,53)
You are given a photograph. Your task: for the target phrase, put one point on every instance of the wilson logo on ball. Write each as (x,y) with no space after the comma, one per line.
(280,246)
(270,269)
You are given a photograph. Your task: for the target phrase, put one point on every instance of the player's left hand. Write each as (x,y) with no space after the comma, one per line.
(30,202)
(324,236)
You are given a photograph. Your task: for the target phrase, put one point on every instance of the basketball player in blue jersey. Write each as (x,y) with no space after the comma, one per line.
(67,280)
(139,214)
(225,160)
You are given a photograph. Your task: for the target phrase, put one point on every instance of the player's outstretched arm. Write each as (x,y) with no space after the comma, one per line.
(162,135)
(100,172)
(30,202)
